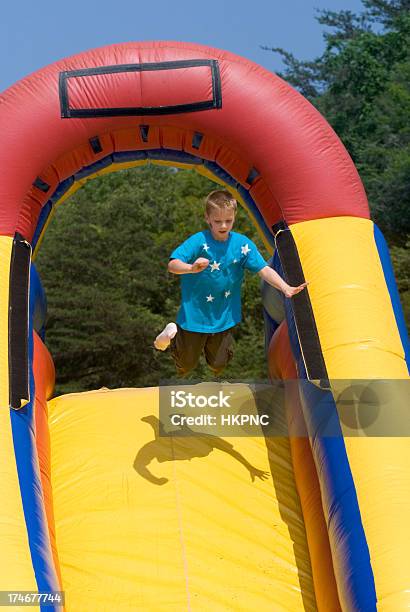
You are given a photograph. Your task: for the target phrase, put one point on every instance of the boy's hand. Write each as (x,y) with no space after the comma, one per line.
(273,278)
(199,264)
(291,291)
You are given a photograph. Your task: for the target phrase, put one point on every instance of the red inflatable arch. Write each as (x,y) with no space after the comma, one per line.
(208,103)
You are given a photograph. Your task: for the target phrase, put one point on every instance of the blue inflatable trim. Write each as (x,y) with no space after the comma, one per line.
(23,430)
(62,188)
(154,154)
(388,272)
(38,300)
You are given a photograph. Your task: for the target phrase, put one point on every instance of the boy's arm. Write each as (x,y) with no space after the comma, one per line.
(273,278)
(176,266)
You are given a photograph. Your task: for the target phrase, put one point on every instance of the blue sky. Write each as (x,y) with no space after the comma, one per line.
(34,34)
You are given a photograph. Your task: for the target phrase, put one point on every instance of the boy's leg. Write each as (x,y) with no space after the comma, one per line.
(219,350)
(186,348)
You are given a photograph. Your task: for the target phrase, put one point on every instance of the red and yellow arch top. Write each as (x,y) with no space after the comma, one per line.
(206,102)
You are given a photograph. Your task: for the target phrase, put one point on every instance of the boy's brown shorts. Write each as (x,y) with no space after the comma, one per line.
(186,348)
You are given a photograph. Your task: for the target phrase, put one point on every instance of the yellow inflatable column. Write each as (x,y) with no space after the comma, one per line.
(360,339)
(15,559)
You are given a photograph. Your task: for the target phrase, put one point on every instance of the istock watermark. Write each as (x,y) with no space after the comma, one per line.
(182,399)
(218,409)
(330,408)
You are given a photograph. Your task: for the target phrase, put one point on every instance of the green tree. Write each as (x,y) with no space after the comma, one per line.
(103,263)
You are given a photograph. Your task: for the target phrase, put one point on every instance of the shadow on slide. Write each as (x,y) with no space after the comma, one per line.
(169,447)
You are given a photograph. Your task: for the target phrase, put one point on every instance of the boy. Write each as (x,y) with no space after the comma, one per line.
(211,264)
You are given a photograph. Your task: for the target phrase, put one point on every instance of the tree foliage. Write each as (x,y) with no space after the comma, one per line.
(103,263)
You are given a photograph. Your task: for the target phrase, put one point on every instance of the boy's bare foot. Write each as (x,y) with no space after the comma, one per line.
(163,340)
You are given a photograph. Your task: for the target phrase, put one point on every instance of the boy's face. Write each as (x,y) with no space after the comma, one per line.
(220,221)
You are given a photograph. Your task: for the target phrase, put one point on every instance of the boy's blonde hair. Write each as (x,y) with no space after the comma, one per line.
(220,198)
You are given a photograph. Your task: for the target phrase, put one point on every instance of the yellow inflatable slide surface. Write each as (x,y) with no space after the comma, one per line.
(145,522)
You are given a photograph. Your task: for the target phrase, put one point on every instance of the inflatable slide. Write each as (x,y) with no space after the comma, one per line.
(100,511)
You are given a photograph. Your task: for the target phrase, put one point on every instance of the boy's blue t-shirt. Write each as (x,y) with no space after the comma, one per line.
(211,299)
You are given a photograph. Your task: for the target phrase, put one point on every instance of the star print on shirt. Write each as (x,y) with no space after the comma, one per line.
(245,249)
(210,298)
(215,266)
(205,247)
(227,293)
